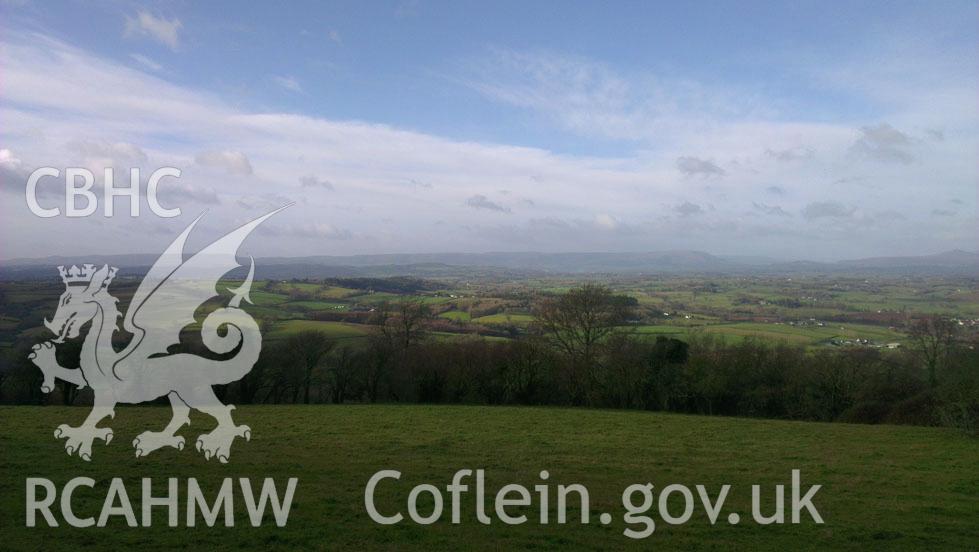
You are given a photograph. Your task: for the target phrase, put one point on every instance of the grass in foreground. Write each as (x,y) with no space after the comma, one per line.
(883,486)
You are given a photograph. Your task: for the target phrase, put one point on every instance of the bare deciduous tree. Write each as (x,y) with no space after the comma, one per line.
(932,340)
(307,348)
(396,330)
(577,322)
(341,367)
(408,322)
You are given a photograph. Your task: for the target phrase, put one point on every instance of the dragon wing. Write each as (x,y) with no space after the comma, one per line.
(173,289)
(165,265)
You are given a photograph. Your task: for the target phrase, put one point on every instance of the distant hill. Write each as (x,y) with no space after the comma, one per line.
(666,261)
(953,259)
(530,264)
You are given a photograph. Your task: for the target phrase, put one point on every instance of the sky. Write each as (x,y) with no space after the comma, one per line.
(792,130)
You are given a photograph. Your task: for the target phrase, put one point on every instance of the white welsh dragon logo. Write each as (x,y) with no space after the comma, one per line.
(162,306)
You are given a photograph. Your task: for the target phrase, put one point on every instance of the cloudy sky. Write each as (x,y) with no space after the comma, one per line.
(793,130)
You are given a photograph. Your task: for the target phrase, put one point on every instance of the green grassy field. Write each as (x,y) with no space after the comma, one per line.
(335,330)
(458,316)
(796,335)
(808,311)
(518,319)
(314,305)
(884,487)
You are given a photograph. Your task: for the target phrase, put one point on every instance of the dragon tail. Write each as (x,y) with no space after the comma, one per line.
(241,330)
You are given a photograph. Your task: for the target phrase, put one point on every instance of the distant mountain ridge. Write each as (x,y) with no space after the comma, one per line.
(954,258)
(956,262)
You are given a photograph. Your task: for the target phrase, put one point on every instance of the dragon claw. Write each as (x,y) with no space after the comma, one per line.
(43,356)
(149,441)
(79,439)
(217,444)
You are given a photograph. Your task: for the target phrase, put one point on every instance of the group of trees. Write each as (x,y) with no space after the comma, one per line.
(580,352)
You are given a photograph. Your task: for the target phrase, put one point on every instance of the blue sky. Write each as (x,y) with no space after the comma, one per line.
(791,129)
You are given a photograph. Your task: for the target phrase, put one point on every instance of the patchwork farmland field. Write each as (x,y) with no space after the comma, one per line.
(812,312)
(335,330)
(795,334)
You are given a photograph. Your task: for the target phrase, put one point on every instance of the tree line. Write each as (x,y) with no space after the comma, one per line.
(581,352)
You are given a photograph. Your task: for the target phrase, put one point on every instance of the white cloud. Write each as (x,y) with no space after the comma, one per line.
(289,83)
(771,210)
(146,62)
(590,98)
(688,209)
(310,181)
(100,149)
(264,202)
(397,183)
(606,220)
(884,143)
(335,36)
(316,230)
(480,201)
(7,159)
(790,154)
(178,191)
(234,162)
(164,31)
(693,166)
(97,155)
(827,209)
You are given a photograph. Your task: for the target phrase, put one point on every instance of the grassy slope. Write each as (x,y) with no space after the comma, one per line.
(898,487)
(518,319)
(461,316)
(335,330)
